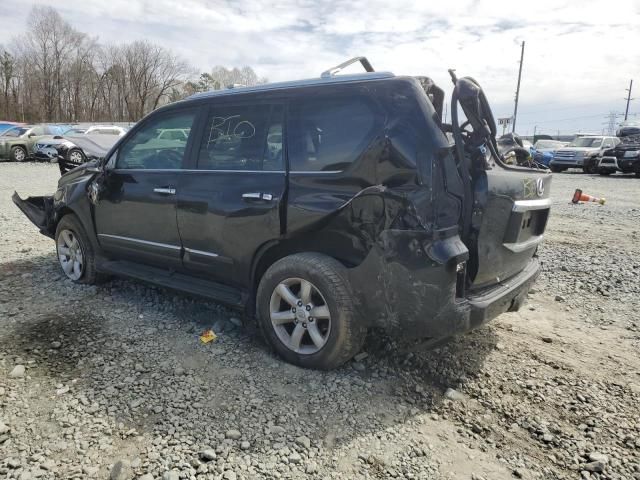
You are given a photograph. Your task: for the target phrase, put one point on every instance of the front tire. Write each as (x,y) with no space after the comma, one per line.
(306,311)
(76,156)
(75,252)
(18,154)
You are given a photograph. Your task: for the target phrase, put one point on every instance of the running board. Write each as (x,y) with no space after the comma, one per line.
(175,281)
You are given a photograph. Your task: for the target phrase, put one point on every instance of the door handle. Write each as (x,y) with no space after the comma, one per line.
(165,190)
(267,197)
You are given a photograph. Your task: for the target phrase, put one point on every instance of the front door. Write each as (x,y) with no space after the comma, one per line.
(229,204)
(136,215)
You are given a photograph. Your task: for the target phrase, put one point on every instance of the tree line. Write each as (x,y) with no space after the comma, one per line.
(55,73)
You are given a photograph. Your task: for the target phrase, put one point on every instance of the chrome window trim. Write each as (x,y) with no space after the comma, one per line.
(142,242)
(200,252)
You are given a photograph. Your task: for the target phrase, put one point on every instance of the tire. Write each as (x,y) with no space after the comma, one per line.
(605,172)
(70,235)
(555,169)
(18,154)
(343,332)
(76,156)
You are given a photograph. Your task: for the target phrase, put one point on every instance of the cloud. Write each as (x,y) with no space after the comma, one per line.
(579,55)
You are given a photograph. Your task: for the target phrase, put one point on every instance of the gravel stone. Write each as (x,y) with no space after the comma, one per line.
(17,372)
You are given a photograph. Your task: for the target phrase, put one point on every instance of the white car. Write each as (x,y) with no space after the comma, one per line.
(106,130)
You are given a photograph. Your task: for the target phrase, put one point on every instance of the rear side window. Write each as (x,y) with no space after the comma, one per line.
(328,134)
(243,137)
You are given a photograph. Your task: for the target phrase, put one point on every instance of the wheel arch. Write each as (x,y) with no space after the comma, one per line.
(271,252)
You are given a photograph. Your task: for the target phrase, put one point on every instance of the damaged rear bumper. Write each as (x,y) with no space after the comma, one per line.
(407,285)
(507,296)
(39,210)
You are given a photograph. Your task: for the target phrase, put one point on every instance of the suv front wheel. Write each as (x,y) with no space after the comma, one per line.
(75,252)
(306,311)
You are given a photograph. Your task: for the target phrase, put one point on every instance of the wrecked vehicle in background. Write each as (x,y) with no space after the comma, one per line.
(70,151)
(351,211)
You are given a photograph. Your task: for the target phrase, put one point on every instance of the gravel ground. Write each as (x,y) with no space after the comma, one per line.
(112,381)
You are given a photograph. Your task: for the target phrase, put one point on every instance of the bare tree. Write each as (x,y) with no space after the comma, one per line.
(54,72)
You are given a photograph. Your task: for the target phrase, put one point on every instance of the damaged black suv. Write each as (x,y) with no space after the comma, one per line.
(322,207)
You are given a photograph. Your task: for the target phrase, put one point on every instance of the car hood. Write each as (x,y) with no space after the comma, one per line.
(94,146)
(577,149)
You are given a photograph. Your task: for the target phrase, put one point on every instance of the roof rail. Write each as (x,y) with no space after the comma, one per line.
(335,70)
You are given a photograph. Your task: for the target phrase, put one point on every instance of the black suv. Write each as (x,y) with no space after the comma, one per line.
(321,207)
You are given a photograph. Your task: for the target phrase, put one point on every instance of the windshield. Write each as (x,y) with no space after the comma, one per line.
(14,132)
(586,142)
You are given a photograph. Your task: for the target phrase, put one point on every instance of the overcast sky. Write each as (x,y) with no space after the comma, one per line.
(579,57)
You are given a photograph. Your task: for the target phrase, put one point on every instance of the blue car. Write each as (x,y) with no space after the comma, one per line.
(4,126)
(543,150)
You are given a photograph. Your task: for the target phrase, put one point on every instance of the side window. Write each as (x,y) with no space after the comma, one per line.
(608,143)
(145,150)
(38,130)
(243,137)
(328,134)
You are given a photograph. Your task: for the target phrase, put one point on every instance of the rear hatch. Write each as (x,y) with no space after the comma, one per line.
(504,208)
(510,224)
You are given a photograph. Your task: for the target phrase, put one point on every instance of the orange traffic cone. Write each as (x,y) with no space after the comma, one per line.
(578,196)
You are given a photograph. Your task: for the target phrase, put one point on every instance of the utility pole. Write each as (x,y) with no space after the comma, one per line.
(626,112)
(515,110)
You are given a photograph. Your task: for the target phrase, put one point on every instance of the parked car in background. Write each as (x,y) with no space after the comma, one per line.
(580,149)
(628,128)
(623,158)
(543,150)
(75,131)
(4,125)
(106,130)
(17,143)
(315,205)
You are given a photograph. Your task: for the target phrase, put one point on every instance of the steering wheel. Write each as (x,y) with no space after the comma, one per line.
(168,159)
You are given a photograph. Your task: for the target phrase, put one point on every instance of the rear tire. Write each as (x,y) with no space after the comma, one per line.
(18,154)
(75,251)
(319,284)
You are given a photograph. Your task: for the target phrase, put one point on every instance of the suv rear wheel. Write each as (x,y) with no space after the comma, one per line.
(75,252)
(306,311)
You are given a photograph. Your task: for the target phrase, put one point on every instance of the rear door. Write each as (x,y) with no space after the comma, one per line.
(136,216)
(229,201)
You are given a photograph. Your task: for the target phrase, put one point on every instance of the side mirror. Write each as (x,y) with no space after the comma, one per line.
(31,135)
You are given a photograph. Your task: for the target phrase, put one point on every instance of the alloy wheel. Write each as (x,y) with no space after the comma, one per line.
(76,157)
(70,254)
(20,155)
(300,316)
